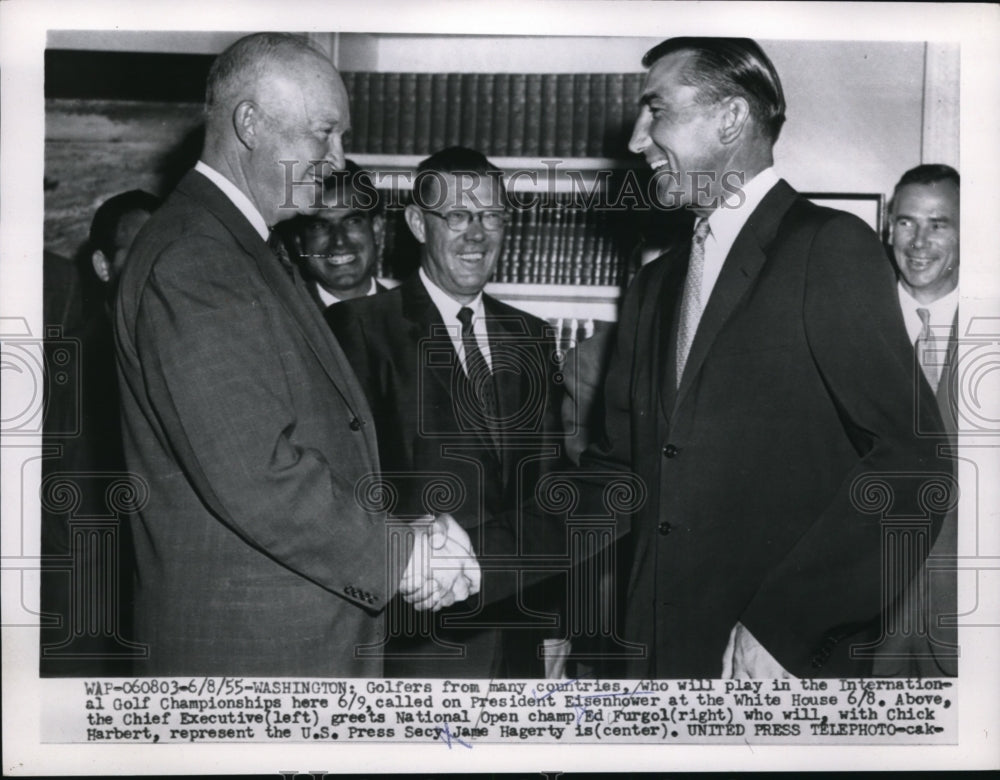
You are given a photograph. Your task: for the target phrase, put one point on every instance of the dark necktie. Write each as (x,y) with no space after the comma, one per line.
(480,377)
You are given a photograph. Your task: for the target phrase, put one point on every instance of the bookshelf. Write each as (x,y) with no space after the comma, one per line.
(556,136)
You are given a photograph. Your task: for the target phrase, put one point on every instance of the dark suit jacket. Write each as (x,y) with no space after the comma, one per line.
(437,458)
(794,390)
(245,423)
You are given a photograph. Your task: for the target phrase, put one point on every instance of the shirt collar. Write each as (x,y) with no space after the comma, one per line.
(942,310)
(447,306)
(328,298)
(728,220)
(239,199)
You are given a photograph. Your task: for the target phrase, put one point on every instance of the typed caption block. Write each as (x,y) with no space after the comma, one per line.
(460,714)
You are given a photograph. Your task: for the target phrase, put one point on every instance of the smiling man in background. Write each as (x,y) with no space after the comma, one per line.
(461,390)
(338,247)
(924,217)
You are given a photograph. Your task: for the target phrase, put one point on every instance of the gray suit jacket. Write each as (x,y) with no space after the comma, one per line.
(247,428)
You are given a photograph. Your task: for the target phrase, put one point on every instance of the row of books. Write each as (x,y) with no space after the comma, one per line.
(500,114)
(553,242)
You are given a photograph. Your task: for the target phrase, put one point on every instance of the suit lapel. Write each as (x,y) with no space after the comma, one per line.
(423,321)
(740,270)
(290,292)
(663,350)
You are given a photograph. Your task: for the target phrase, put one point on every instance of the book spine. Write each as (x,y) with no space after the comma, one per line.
(596,116)
(581,114)
(499,127)
(407,143)
(470,110)
(527,260)
(484,113)
(614,94)
(550,113)
(438,109)
(576,251)
(360,99)
(533,116)
(516,117)
(453,126)
(630,104)
(565,113)
(376,113)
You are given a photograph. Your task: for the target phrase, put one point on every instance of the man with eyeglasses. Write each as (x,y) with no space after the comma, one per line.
(338,246)
(461,388)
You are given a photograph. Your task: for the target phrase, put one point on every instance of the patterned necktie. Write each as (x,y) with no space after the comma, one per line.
(691,303)
(480,377)
(926,350)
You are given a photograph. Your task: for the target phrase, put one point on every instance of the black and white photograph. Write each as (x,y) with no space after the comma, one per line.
(437,386)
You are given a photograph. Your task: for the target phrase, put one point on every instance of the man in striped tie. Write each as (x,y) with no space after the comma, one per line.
(924,235)
(760,387)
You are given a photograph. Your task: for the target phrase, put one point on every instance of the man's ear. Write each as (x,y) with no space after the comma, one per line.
(415,222)
(735,113)
(246,121)
(102,266)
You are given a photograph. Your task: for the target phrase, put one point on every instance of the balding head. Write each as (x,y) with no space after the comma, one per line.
(276,110)
(248,68)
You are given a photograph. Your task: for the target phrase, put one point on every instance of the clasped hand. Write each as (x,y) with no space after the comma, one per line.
(443,568)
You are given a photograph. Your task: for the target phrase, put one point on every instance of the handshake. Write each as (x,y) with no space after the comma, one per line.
(443,568)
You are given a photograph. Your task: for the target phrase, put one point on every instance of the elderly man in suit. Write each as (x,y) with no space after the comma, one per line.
(243,421)
(759,379)
(461,388)
(924,235)
(338,247)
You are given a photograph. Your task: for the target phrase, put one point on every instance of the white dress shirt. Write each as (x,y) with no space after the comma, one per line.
(726,222)
(448,307)
(328,298)
(942,313)
(241,201)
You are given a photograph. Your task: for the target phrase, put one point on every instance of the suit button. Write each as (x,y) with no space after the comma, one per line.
(670,451)
(664,528)
(355,424)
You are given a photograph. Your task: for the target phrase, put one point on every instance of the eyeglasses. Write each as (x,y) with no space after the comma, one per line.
(460,219)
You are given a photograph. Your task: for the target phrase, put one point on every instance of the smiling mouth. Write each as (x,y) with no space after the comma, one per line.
(340,259)
(471,257)
(657,164)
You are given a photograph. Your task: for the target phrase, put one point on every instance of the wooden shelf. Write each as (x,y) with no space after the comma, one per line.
(556,301)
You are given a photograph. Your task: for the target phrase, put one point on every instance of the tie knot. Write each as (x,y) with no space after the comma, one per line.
(701,230)
(925,317)
(465,317)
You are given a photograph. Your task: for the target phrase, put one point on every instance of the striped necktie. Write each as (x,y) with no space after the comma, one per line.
(480,377)
(691,304)
(927,350)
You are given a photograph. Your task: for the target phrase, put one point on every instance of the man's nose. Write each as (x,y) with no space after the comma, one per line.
(335,152)
(640,133)
(919,236)
(476,231)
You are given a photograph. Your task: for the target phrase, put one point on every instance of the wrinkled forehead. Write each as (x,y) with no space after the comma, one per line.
(465,190)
